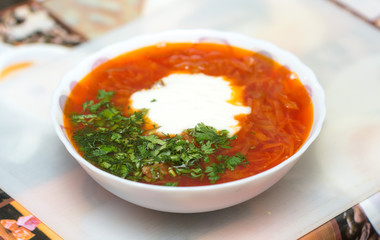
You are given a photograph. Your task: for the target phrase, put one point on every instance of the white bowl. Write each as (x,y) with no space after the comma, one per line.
(200,198)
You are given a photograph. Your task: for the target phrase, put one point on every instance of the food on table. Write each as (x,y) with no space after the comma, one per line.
(143,115)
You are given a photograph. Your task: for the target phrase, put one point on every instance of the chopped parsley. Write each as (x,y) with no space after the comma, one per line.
(122,146)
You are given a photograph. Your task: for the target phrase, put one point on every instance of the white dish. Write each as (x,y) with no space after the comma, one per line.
(190,199)
(34,54)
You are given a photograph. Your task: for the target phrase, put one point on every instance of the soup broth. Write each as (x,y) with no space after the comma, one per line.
(281,109)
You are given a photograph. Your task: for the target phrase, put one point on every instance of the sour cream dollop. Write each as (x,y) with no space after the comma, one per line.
(182,101)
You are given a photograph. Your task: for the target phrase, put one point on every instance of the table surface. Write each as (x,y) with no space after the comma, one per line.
(339,170)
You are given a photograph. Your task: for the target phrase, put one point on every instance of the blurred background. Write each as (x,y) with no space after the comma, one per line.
(71,22)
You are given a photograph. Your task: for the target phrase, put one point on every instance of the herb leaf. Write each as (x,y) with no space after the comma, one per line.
(119,145)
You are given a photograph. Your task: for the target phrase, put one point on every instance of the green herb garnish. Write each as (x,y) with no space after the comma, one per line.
(122,146)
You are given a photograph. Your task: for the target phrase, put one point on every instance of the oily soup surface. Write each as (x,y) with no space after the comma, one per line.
(281,110)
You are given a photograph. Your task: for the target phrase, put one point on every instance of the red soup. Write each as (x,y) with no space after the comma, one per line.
(278,124)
